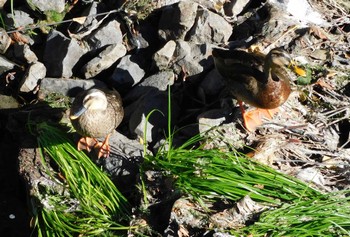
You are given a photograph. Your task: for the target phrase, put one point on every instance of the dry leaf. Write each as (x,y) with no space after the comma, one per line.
(324,84)
(80,20)
(319,32)
(18,37)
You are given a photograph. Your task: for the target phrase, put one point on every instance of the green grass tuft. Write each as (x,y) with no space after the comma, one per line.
(217,174)
(328,215)
(89,203)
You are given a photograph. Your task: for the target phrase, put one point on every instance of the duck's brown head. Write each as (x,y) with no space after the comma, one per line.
(278,57)
(276,62)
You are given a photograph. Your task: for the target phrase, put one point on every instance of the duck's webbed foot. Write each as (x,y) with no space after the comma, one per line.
(252,119)
(103,148)
(86,143)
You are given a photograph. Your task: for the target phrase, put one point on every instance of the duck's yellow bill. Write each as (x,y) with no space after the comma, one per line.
(299,71)
(296,69)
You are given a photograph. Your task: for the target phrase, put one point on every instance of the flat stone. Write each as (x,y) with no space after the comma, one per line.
(107,34)
(104,60)
(48,5)
(127,73)
(35,72)
(223,125)
(123,164)
(66,87)
(61,54)
(157,82)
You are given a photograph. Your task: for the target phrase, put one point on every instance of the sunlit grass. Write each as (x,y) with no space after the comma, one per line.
(215,174)
(328,215)
(89,203)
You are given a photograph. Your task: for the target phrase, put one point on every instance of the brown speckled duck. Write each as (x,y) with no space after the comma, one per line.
(256,79)
(96,113)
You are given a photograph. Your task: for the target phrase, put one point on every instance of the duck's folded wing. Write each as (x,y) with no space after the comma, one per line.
(229,57)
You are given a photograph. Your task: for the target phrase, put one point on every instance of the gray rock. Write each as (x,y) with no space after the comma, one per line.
(234,8)
(104,60)
(127,73)
(24,53)
(35,72)
(209,28)
(176,20)
(123,163)
(156,82)
(47,5)
(189,21)
(5,64)
(212,83)
(157,103)
(123,146)
(221,128)
(160,80)
(61,54)
(5,41)
(210,119)
(19,19)
(194,58)
(163,57)
(67,87)
(107,34)
(89,22)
